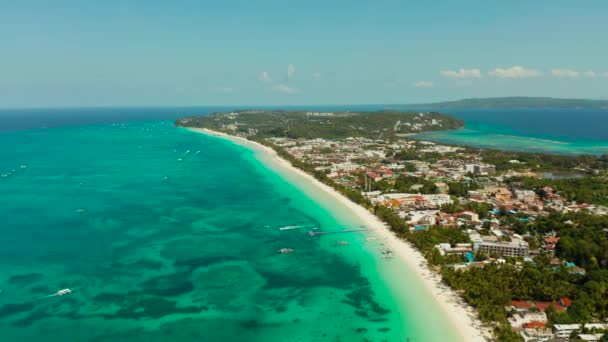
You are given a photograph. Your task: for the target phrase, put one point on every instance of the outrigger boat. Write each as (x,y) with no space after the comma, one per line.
(387,253)
(60,293)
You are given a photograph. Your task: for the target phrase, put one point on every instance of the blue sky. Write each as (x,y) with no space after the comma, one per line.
(111,52)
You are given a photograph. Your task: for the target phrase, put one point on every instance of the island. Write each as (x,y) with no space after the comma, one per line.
(521,237)
(385,125)
(514,102)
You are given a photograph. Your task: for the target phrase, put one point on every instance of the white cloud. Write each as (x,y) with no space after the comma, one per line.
(283,88)
(589,73)
(565,73)
(291,70)
(462,73)
(515,72)
(424,84)
(316,75)
(264,77)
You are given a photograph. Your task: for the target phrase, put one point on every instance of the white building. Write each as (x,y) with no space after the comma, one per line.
(480,169)
(347,166)
(438,199)
(526,196)
(565,330)
(591,337)
(514,248)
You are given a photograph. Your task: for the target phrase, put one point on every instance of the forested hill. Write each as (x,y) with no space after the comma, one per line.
(326,125)
(512,103)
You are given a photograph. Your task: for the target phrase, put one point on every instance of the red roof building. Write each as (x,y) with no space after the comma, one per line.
(534,325)
(386,173)
(373,175)
(520,304)
(552,240)
(565,302)
(543,306)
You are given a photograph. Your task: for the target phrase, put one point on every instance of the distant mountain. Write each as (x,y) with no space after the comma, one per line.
(512,103)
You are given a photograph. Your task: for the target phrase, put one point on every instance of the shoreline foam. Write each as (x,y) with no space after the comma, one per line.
(462,317)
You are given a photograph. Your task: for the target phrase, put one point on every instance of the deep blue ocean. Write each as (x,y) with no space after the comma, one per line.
(22,119)
(555,131)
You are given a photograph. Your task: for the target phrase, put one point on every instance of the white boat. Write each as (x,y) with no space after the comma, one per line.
(60,293)
(290,227)
(285,250)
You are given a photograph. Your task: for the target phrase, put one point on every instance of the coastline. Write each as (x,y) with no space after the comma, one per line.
(462,318)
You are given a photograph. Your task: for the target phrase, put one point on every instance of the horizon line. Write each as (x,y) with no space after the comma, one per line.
(130,106)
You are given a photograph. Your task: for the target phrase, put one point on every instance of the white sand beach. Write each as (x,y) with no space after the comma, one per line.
(462,317)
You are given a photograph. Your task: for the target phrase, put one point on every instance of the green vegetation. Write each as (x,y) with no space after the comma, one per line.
(373,125)
(592,190)
(427,239)
(540,161)
(490,288)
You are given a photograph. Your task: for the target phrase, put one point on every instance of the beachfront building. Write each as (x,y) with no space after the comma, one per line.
(514,248)
(420,217)
(565,330)
(536,332)
(590,337)
(459,248)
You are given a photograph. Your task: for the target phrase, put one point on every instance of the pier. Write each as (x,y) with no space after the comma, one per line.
(313,233)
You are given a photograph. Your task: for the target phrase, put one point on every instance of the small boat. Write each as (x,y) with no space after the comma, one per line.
(343,243)
(80,211)
(285,250)
(23,166)
(371,239)
(197,152)
(290,227)
(60,293)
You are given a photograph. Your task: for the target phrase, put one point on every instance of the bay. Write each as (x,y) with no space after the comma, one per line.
(162,242)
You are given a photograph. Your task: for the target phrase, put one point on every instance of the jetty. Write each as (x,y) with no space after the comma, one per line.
(313,233)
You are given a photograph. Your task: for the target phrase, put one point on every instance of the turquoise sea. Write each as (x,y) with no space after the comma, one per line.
(555,131)
(161,242)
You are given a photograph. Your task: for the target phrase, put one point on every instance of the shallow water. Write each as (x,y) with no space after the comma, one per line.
(160,242)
